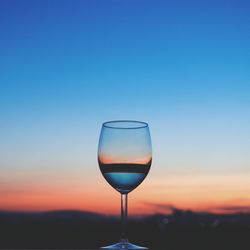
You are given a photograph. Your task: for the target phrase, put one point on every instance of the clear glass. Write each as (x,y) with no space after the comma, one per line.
(124,157)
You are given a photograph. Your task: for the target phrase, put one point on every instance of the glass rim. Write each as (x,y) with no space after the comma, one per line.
(115,124)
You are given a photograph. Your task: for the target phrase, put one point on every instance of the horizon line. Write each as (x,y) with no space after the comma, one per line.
(132,215)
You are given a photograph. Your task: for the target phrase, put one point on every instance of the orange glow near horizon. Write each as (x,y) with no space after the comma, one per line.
(216,194)
(106,159)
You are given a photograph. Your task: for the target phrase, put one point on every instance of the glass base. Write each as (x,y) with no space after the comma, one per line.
(123,245)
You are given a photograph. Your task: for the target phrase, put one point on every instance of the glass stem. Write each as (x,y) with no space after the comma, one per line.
(124,215)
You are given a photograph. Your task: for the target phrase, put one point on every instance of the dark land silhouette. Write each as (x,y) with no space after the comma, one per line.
(182,230)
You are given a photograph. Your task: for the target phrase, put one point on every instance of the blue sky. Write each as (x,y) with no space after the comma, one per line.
(67,66)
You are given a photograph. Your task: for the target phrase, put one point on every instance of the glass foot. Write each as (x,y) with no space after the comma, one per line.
(123,245)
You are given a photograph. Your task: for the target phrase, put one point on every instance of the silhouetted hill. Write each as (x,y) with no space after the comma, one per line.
(77,229)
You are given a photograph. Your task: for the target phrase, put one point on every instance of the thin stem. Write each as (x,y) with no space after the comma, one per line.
(124,215)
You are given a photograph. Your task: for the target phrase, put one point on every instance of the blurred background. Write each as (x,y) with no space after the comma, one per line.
(68,66)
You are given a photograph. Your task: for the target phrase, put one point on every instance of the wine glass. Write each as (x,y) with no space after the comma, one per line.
(124,157)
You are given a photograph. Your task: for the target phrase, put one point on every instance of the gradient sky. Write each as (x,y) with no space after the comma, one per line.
(68,66)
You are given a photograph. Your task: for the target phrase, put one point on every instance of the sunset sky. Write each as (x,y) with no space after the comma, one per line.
(182,66)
